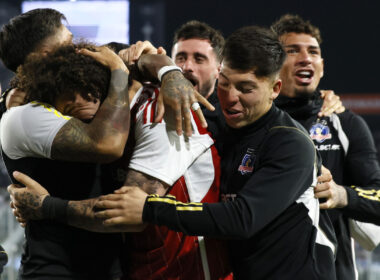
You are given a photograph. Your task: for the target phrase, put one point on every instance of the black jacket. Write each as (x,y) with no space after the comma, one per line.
(348,151)
(268,213)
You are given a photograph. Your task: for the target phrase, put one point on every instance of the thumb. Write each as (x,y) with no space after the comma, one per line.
(28,182)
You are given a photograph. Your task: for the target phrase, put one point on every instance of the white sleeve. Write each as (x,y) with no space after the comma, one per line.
(159,151)
(29,130)
(366,234)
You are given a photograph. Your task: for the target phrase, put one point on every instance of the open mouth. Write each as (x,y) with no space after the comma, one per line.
(193,80)
(304,76)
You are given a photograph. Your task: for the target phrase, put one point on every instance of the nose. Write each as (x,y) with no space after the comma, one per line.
(304,57)
(228,97)
(188,66)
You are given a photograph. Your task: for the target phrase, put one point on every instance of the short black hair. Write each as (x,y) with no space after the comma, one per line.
(256,48)
(294,23)
(116,46)
(61,73)
(23,34)
(199,30)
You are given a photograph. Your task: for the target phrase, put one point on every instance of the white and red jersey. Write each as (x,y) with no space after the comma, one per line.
(191,166)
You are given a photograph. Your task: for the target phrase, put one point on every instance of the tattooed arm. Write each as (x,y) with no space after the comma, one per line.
(102,140)
(82,213)
(29,203)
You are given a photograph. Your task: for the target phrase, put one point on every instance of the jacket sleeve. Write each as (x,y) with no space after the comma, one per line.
(362,172)
(286,170)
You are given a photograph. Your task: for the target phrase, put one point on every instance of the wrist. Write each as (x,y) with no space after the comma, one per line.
(166,69)
(54,208)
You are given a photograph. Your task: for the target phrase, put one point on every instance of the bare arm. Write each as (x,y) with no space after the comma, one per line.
(29,203)
(102,140)
(82,213)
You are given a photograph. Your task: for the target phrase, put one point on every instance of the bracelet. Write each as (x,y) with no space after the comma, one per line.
(166,69)
(54,208)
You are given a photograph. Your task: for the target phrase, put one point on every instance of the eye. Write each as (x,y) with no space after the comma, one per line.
(291,51)
(180,59)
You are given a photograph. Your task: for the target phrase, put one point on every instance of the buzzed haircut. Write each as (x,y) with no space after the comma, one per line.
(254,48)
(24,33)
(63,72)
(199,30)
(294,23)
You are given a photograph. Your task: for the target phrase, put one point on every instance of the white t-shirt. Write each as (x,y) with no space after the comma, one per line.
(29,130)
(159,151)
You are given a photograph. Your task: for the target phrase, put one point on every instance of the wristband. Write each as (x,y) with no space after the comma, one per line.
(166,69)
(54,208)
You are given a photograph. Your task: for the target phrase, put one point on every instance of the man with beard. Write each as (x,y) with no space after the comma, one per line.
(343,140)
(197,49)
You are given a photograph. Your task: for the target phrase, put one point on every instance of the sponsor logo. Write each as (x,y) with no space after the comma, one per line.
(320,132)
(328,147)
(247,162)
(228,197)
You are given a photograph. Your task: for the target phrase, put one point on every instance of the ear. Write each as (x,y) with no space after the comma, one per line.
(276,88)
(218,70)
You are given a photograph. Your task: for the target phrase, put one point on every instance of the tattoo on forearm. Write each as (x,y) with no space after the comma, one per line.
(81,214)
(29,205)
(79,141)
(147,183)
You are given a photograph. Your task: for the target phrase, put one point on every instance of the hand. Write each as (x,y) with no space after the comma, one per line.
(107,57)
(335,195)
(15,97)
(133,53)
(325,176)
(122,208)
(331,104)
(178,93)
(26,202)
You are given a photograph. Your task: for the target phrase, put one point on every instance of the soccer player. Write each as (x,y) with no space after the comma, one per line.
(268,175)
(343,140)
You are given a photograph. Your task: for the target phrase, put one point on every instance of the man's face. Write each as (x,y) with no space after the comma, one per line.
(303,67)
(77,106)
(243,97)
(198,62)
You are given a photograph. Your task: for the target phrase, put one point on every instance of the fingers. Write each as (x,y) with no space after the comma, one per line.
(123,189)
(160,109)
(204,101)
(105,56)
(109,213)
(187,118)
(178,119)
(133,53)
(199,112)
(331,103)
(29,182)
(161,50)
(108,204)
(15,98)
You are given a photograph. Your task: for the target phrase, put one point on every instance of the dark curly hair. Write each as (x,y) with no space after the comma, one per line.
(199,30)
(294,23)
(25,32)
(62,72)
(254,48)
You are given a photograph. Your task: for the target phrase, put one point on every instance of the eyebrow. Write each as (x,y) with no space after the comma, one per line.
(297,46)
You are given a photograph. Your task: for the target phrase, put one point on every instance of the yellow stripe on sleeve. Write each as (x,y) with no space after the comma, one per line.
(180,206)
(51,109)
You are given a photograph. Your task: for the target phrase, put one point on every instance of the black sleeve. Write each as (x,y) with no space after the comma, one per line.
(285,171)
(362,172)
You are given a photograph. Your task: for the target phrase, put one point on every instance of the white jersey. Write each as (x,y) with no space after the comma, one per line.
(159,151)
(29,130)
